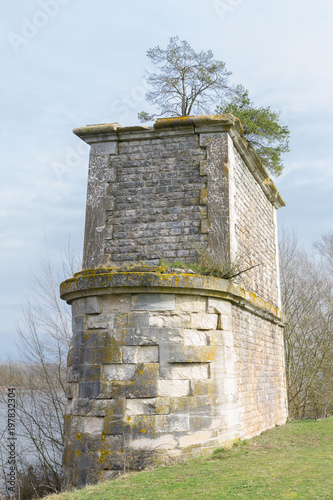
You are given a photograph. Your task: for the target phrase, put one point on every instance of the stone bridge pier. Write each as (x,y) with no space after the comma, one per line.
(166,363)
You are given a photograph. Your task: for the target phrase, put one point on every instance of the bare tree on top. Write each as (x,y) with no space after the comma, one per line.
(187,82)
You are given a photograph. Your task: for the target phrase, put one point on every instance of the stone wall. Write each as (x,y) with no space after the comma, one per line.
(163,366)
(155,199)
(175,189)
(259,365)
(255,235)
(164,363)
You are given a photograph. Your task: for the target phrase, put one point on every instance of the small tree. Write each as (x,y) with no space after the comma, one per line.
(261,128)
(189,82)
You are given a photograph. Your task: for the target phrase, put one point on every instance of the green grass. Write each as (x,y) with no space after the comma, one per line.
(290,462)
(208,268)
(179,264)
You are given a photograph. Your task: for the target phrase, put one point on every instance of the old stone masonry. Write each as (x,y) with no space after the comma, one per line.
(165,363)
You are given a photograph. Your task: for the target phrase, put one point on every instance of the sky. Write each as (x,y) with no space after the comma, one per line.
(69,63)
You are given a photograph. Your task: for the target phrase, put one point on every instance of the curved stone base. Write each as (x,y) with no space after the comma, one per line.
(163,365)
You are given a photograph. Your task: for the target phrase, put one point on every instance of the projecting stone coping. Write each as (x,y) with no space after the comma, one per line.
(150,279)
(202,124)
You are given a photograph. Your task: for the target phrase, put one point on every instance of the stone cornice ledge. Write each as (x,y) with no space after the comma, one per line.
(93,134)
(112,281)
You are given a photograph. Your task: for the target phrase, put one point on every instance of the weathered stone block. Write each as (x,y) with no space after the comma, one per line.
(70,357)
(166,442)
(117,303)
(91,356)
(153,302)
(89,389)
(203,167)
(200,437)
(144,384)
(104,148)
(182,320)
(88,407)
(173,388)
(203,387)
(203,321)
(116,407)
(119,372)
(113,425)
(172,423)
(225,322)
(73,374)
(77,324)
(190,303)
(218,306)
(145,406)
(148,336)
(69,391)
(200,422)
(101,321)
(148,406)
(114,422)
(142,426)
(190,371)
(205,226)
(192,404)
(91,372)
(93,425)
(140,354)
(203,196)
(120,320)
(195,338)
(87,305)
(111,352)
(186,354)
(138,319)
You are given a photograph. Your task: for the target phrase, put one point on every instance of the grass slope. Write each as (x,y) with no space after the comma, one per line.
(290,462)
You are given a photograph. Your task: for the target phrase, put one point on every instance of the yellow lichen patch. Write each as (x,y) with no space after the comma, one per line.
(104,128)
(111,351)
(78,435)
(78,453)
(143,431)
(68,417)
(268,182)
(200,354)
(161,277)
(102,456)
